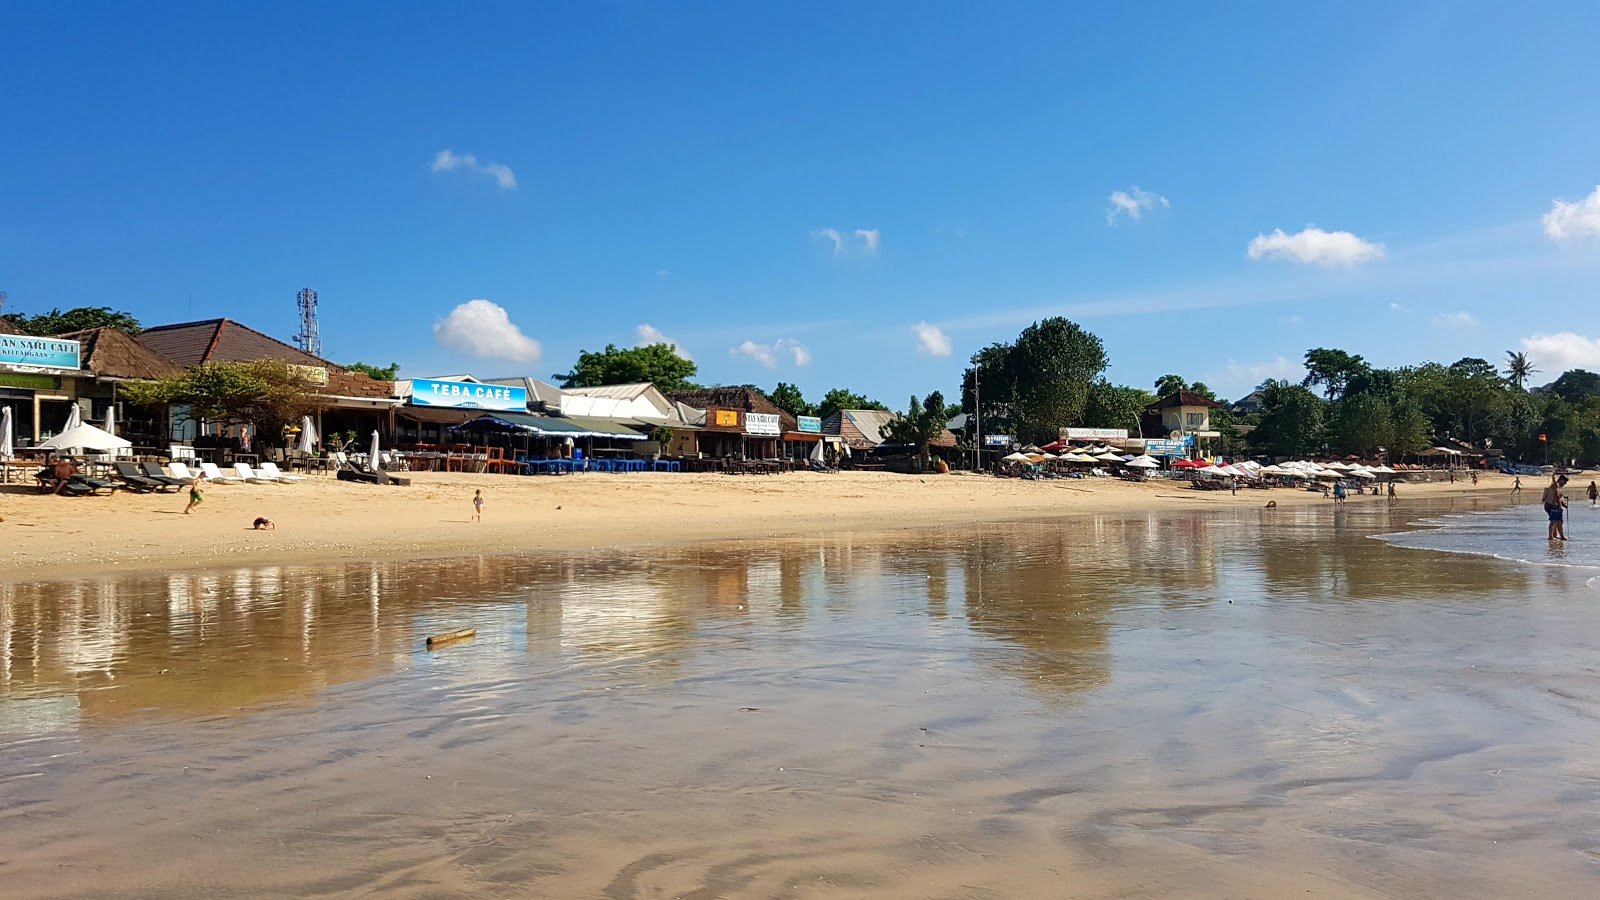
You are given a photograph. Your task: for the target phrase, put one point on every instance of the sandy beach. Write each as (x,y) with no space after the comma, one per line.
(323,519)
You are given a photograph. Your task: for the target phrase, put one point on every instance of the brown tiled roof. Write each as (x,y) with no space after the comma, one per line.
(222,340)
(747,399)
(110,353)
(1183,398)
(356,384)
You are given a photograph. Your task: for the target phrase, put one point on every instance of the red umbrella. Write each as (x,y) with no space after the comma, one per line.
(1187,464)
(1054,447)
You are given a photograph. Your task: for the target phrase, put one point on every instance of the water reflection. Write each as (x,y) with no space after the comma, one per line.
(1038,603)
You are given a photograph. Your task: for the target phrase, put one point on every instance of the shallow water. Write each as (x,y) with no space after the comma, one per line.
(1251,704)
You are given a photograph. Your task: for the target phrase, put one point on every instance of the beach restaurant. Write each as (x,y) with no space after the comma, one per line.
(38,383)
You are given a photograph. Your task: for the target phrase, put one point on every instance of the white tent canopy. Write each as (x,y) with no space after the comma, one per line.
(87,437)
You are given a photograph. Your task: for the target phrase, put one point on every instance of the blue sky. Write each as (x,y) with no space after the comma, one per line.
(610,166)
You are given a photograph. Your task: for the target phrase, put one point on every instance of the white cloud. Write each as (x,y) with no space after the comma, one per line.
(1313,246)
(931,340)
(1455,320)
(1567,221)
(831,234)
(768,354)
(446,161)
(869,241)
(1555,353)
(1133,203)
(483,329)
(1395,307)
(649,334)
(1248,375)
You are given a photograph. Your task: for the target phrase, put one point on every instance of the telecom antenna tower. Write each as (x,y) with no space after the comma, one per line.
(309,339)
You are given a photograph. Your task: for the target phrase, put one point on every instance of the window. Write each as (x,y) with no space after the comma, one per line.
(1194,421)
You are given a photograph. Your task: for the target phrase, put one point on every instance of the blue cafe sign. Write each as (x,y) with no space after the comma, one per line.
(468,395)
(50,353)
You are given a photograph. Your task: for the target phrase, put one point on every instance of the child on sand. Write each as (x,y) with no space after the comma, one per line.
(477,506)
(264,522)
(1594,495)
(195,498)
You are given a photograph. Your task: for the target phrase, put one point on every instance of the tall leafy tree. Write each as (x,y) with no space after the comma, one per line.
(788,398)
(658,364)
(841,398)
(267,393)
(1333,370)
(84,317)
(1409,430)
(1519,368)
(1170,384)
(1291,422)
(1361,424)
(1114,406)
(920,424)
(1051,367)
(381,373)
(1574,385)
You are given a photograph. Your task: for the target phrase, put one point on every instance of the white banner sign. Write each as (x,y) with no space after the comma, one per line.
(1094,434)
(762,423)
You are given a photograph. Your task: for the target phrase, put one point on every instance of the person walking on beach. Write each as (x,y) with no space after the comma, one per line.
(1516,486)
(195,497)
(1594,495)
(1233,485)
(1555,507)
(1391,490)
(1474,478)
(477,506)
(1338,493)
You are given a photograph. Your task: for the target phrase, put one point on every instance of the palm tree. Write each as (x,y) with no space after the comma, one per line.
(1519,368)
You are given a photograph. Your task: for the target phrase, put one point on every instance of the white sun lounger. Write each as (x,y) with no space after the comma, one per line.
(213,473)
(244,473)
(270,469)
(179,470)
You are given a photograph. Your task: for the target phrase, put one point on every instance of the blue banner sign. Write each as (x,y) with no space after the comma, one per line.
(18,350)
(997,440)
(1168,448)
(809,424)
(468,395)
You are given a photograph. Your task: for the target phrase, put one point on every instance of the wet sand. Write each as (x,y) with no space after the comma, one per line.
(1244,704)
(327,520)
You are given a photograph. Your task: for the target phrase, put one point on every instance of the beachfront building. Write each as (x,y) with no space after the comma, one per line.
(110,359)
(1180,415)
(348,403)
(732,423)
(38,382)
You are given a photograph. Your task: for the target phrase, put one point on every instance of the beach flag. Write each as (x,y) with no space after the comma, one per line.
(1544,437)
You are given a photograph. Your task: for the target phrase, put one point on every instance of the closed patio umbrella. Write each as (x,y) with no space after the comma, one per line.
(372,452)
(308,436)
(110,427)
(6,450)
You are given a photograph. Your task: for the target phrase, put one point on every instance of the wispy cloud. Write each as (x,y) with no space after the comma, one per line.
(869,241)
(1556,353)
(1133,203)
(1238,376)
(1396,308)
(769,354)
(483,329)
(446,161)
(931,339)
(831,234)
(1569,222)
(1455,320)
(1313,246)
(649,334)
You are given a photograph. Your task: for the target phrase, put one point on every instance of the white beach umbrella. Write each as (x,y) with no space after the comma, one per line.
(372,452)
(1109,457)
(308,436)
(1015,457)
(74,418)
(110,427)
(87,437)
(1143,462)
(6,450)
(816,452)
(1210,470)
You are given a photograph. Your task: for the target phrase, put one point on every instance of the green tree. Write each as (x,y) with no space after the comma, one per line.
(920,424)
(1170,384)
(1519,368)
(1333,370)
(840,398)
(1361,424)
(788,398)
(384,373)
(1291,421)
(268,394)
(1409,430)
(657,364)
(1051,367)
(84,317)
(1574,385)
(1114,406)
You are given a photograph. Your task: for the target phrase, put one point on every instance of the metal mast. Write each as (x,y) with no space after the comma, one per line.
(309,339)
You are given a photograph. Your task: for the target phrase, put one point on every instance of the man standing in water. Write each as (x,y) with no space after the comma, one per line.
(1555,507)
(1594,495)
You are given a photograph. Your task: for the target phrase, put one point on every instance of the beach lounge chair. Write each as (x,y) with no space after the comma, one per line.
(152,470)
(270,470)
(213,473)
(130,475)
(243,472)
(180,470)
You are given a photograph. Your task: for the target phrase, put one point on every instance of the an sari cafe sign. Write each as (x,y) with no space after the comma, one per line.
(468,395)
(45,353)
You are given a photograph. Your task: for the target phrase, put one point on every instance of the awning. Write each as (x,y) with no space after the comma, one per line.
(437,415)
(802,437)
(550,426)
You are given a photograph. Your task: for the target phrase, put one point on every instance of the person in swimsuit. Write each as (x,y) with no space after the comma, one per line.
(195,498)
(1516,486)
(1338,493)
(1554,504)
(477,506)
(1594,495)
(263,522)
